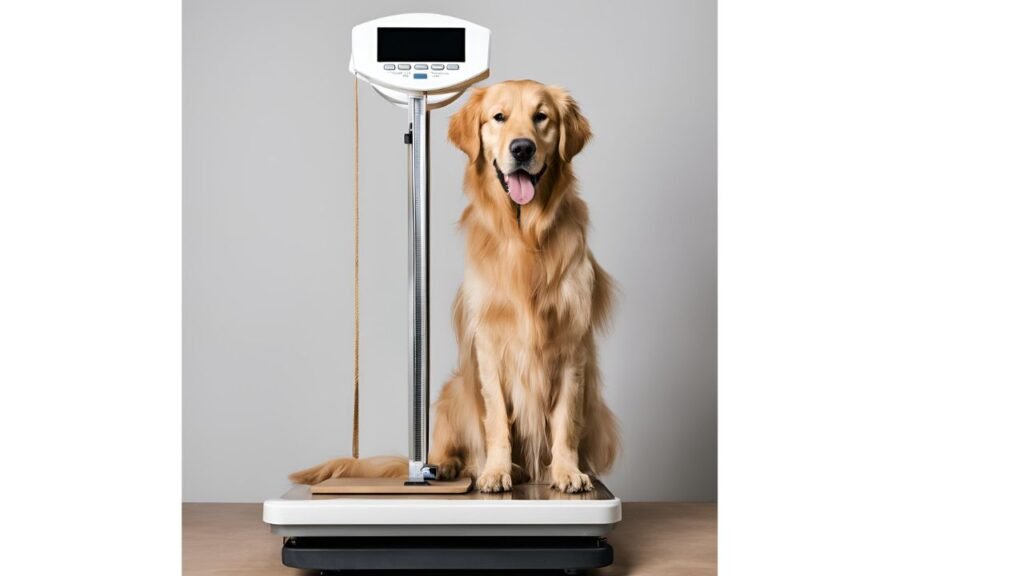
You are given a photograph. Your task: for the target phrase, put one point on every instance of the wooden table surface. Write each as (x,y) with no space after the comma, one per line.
(674,538)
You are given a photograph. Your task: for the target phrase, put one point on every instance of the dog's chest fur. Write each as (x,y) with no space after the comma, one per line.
(536,300)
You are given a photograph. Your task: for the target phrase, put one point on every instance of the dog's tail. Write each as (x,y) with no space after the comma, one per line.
(374,467)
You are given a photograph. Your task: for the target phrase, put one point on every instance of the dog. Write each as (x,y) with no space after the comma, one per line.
(525,404)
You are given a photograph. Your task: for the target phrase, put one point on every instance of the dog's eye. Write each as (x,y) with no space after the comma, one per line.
(540,117)
(499,117)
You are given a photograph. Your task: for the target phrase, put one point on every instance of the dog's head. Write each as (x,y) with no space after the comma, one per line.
(521,128)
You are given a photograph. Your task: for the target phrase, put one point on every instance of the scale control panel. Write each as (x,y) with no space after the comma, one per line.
(420,71)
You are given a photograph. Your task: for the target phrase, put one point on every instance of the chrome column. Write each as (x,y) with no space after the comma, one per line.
(419,287)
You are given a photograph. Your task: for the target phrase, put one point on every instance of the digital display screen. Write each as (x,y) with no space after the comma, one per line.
(421,44)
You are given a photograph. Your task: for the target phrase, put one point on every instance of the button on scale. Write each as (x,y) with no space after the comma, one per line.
(422,67)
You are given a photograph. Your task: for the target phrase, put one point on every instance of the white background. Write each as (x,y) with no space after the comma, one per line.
(875,429)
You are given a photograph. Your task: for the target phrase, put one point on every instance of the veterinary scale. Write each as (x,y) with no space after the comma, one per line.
(423,62)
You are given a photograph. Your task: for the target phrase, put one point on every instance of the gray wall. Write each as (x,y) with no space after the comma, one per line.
(268,232)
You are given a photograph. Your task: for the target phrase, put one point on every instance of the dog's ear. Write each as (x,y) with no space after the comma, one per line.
(574,130)
(464,126)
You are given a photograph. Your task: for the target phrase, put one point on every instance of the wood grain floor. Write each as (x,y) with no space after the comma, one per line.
(674,538)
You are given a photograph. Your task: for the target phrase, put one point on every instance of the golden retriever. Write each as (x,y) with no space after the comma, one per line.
(525,403)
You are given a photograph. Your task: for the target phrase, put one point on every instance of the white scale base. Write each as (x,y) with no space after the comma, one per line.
(528,510)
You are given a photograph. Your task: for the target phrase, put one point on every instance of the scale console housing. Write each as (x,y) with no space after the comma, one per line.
(421,53)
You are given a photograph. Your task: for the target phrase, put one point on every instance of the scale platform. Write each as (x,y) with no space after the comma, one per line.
(531,527)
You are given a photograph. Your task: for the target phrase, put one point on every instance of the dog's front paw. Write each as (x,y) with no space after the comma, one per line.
(494,481)
(570,480)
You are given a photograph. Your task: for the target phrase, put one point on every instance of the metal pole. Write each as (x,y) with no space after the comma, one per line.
(419,288)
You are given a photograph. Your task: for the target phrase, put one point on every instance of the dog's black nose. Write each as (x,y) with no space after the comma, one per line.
(522,149)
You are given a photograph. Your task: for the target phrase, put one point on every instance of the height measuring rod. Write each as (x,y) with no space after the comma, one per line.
(421,62)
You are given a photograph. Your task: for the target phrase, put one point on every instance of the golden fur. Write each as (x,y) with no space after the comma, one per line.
(525,403)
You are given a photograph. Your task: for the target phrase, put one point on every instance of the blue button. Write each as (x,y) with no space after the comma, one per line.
(420,76)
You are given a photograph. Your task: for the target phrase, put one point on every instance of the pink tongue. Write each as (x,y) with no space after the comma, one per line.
(520,187)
